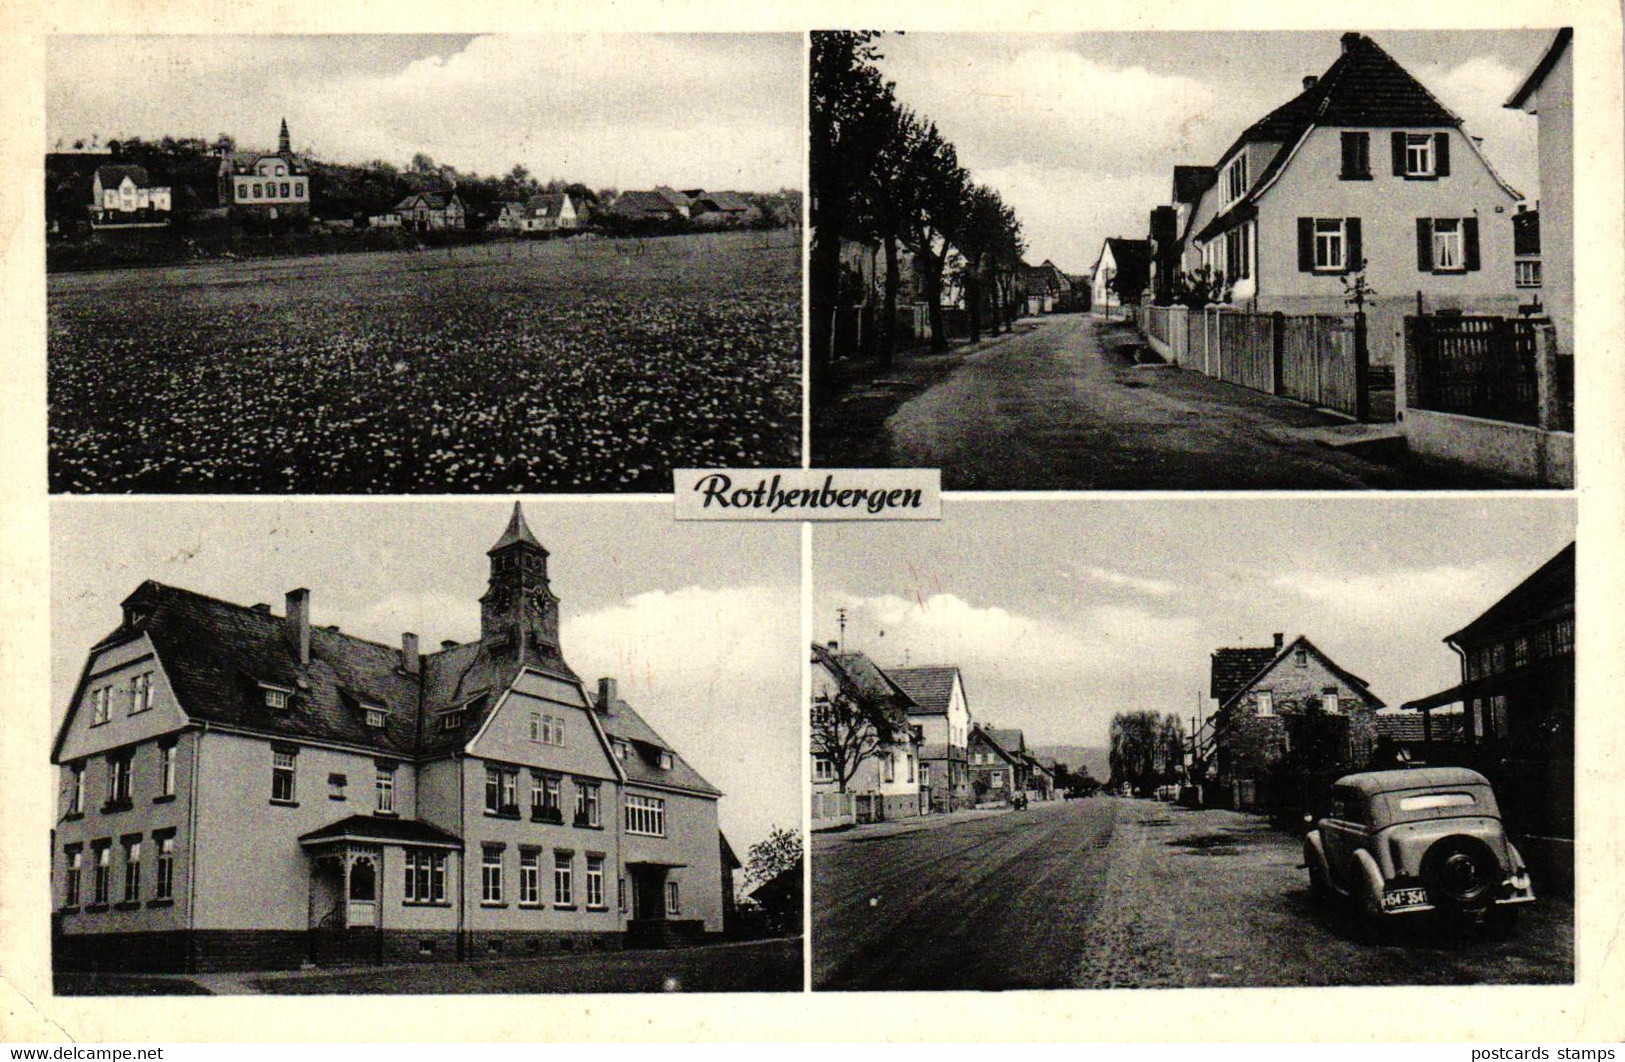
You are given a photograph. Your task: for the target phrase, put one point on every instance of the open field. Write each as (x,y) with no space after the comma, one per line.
(528,366)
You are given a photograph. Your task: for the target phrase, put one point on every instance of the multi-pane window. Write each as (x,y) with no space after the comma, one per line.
(118,779)
(1330,246)
(595,881)
(587,804)
(501,791)
(132,871)
(1266,702)
(276,697)
(284,189)
(823,770)
(530,877)
(164,885)
(141,692)
(76,789)
(451,720)
(645,815)
(562,894)
(673,907)
(1447,244)
(375,716)
(75,865)
(1235,179)
(1498,658)
(1419,155)
(536,727)
(1526,272)
(1564,636)
(1329,699)
(426,876)
(101,705)
(491,875)
(1238,253)
(103,881)
(299,189)
(1520,651)
(384,787)
(166,769)
(282,776)
(888,767)
(551,729)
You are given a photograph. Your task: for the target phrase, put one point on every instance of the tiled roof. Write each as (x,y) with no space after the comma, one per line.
(113,176)
(1011,740)
(644,764)
(931,688)
(1238,682)
(1133,258)
(871,682)
(383,828)
(1233,668)
(985,737)
(1191,181)
(634,203)
(672,196)
(731,202)
(1406,728)
(516,532)
(1549,589)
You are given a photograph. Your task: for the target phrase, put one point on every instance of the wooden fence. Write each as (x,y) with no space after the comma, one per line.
(1318,362)
(1475,366)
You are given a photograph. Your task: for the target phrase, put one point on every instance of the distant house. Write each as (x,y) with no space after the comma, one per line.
(432,212)
(1548,93)
(1364,172)
(884,785)
(260,186)
(1047,288)
(1123,265)
(1514,705)
(126,196)
(550,212)
(999,768)
(720,208)
(510,216)
(781,900)
(647,206)
(1286,697)
(944,719)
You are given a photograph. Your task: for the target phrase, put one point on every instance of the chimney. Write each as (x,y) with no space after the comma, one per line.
(1280,641)
(409,653)
(1349,41)
(1309,81)
(298,613)
(834,646)
(606,695)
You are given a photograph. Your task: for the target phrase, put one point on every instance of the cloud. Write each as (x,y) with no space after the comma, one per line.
(1373,597)
(1153,587)
(1476,89)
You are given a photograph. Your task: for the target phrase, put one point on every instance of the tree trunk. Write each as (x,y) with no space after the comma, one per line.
(973,300)
(823,283)
(888,324)
(933,292)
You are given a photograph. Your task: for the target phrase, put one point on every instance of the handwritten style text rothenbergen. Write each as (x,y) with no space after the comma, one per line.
(769,496)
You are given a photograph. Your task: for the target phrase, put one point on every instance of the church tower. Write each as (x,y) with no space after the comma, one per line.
(284,145)
(519,614)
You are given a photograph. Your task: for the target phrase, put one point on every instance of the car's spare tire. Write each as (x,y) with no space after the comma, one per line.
(1460,872)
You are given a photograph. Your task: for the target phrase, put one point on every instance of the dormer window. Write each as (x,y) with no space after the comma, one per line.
(452,720)
(667,760)
(277,698)
(376,714)
(623,750)
(1235,178)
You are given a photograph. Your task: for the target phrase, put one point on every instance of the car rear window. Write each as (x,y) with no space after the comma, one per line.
(1428,801)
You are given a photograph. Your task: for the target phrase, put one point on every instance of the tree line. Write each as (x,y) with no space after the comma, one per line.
(1147,749)
(885,176)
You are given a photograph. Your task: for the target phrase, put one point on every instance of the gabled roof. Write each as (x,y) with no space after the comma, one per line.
(1191,181)
(546,205)
(1537,76)
(1407,728)
(1011,740)
(1548,589)
(861,677)
(621,723)
(642,203)
(244,161)
(1232,669)
(1354,682)
(517,532)
(930,688)
(985,737)
(382,828)
(730,202)
(672,196)
(730,860)
(113,176)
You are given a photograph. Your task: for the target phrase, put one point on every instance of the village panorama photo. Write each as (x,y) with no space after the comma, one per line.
(1180,261)
(421,264)
(1185,744)
(428,749)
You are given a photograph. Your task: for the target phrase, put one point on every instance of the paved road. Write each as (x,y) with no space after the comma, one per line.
(1107,893)
(1056,407)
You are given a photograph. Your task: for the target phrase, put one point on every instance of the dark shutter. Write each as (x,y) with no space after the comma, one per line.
(1353,261)
(1351,166)
(1399,154)
(1441,154)
(1424,244)
(1306,245)
(1469,243)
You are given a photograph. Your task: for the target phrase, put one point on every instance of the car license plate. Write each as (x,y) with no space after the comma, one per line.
(1395,899)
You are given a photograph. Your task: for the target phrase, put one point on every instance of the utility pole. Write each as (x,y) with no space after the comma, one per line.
(840,615)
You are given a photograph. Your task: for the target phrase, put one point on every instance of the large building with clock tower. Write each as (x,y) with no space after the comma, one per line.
(242,789)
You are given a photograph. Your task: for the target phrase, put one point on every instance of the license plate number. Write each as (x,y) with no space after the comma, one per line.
(1394,899)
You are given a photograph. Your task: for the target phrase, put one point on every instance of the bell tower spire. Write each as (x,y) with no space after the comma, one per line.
(519,613)
(283,142)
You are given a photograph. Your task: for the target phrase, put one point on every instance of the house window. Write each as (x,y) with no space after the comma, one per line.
(1447,245)
(909,758)
(1329,699)
(384,789)
(118,780)
(1419,155)
(276,697)
(997,779)
(553,733)
(166,769)
(132,871)
(141,693)
(620,894)
(587,804)
(823,770)
(1329,244)
(1498,658)
(550,793)
(645,815)
(1356,156)
(426,876)
(530,878)
(336,784)
(562,896)
(1520,651)
(925,774)
(667,760)
(257,190)
(1300,658)
(76,862)
(888,767)
(282,777)
(595,881)
(501,791)
(536,727)
(76,789)
(1526,273)
(103,883)
(101,702)
(1564,636)
(1266,702)
(673,907)
(164,887)
(491,875)
(1235,179)
(299,189)
(1238,253)
(375,716)
(451,720)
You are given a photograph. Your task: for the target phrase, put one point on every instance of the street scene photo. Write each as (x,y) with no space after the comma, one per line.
(1187,743)
(475,748)
(421,264)
(1194,261)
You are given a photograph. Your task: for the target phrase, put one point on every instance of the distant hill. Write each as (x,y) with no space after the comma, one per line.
(1098,760)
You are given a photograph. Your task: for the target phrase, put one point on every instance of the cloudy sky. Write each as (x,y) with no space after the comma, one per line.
(1081,133)
(701,623)
(715,111)
(1061,614)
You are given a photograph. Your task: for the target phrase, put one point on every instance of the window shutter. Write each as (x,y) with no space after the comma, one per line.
(1399,154)
(1353,261)
(1306,245)
(1441,154)
(1469,243)
(1350,162)
(1424,244)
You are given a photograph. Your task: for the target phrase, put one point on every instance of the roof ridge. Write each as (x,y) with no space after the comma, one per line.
(263,614)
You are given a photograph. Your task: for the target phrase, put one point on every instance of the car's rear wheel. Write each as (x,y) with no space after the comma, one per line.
(1461,873)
